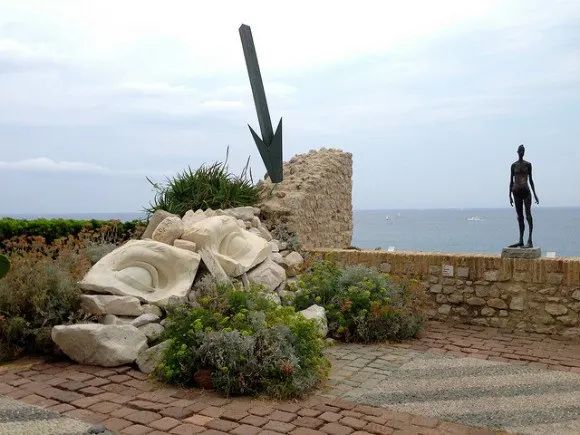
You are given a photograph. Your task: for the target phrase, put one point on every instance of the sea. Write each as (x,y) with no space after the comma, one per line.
(486,231)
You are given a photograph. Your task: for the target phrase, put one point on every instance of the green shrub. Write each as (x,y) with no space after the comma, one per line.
(250,345)
(361,304)
(39,292)
(53,229)
(206,187)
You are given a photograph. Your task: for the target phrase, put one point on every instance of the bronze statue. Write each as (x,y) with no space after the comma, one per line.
(521,171)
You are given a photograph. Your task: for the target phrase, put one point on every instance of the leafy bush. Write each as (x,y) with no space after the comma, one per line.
(39,292)
(206,187)
(361,303)
(251,345)
(53,229)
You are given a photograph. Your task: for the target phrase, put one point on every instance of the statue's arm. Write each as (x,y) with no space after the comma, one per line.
(532,185)
(511,184)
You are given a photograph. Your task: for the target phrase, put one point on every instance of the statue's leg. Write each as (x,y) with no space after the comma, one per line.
(528,207)
(519,203)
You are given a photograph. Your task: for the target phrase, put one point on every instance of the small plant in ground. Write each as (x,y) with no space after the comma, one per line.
(283,234)
(362,304)
(39,292)
(207,187)
(250,346)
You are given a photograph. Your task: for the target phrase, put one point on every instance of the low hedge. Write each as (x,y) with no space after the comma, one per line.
(53,229)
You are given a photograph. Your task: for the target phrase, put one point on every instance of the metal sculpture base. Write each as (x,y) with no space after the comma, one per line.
(529,253)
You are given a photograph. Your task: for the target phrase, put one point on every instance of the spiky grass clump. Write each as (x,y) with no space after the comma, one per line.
(210,186)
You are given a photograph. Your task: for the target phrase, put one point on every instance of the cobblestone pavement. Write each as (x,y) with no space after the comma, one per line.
(372,390)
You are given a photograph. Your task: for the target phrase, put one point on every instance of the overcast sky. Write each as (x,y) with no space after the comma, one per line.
(431,97)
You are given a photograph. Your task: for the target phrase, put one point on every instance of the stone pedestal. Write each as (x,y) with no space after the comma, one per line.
(529,253)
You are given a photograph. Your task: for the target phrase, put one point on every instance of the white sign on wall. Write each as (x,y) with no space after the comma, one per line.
(447,270)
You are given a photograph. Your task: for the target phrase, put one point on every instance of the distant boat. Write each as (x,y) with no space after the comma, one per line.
(475,218)
(387,217)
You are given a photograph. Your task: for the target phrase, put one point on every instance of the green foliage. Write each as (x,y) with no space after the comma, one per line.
(251,345)
(53,229)
(4,265)
(39,292)
(361,303)
(206,187)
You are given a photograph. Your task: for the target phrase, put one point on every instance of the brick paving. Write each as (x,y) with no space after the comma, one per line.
(534,350)
(126,402)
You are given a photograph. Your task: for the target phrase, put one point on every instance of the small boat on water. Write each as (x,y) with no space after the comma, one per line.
(475,218)
(387,217)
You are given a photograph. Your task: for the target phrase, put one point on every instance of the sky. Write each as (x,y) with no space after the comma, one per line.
(431,98)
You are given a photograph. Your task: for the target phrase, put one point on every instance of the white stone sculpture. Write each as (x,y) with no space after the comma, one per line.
(168,230)
(236,249)
(151,271)
(100,345)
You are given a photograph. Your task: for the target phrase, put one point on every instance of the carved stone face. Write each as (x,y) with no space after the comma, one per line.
(149,270)
(236,249)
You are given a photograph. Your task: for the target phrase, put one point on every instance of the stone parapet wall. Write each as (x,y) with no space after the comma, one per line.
(314,200)
(541,295)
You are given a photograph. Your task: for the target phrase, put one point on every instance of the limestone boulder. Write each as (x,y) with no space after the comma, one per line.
(100,345)
(214,267)
(185,244)
(144,319)
(148,359)
(318,314)
(268,274)
(242,213)
(192,217)
(111,304)
(168,230)
(152,309)
(293,264)
(111,319)
(151,271)
(152,331)
(237,250)
(156,218)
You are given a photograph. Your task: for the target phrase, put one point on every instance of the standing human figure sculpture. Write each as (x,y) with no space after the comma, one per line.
(521,172)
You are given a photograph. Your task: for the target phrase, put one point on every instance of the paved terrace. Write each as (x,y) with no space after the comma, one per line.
(454,380)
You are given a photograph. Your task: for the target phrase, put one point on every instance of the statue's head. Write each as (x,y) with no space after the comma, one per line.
(521,150)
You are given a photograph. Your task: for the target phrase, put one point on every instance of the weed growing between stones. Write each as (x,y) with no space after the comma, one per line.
(361,304)
(250,345)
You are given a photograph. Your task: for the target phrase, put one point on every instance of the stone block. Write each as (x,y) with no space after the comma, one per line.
(444,309)
(436,288)
(463,272)
(491,275)
(475,301)
(497,303)
(556,309)
(528,253)
(517,303)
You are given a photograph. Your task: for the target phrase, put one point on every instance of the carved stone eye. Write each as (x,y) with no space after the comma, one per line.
(236,250)
(151,271)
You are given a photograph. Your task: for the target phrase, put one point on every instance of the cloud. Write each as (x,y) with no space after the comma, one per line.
(16,54)
(47,165)
(158,89)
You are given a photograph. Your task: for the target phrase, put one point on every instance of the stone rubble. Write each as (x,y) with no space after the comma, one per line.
(130,288)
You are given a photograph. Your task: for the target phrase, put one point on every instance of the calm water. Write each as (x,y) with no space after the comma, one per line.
(555,229)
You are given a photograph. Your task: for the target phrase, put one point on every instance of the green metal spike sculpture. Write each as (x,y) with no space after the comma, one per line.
(270,144)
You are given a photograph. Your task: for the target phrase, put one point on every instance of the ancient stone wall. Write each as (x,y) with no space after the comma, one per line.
(314,200)
(541,295)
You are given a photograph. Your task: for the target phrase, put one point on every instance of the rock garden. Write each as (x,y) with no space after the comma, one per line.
(206,293)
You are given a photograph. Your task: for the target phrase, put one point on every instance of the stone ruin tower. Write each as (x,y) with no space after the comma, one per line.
(314,201)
